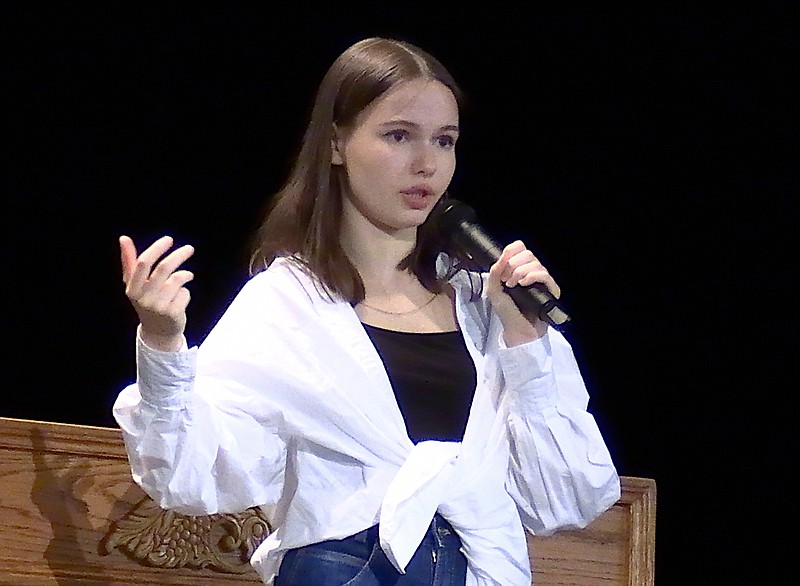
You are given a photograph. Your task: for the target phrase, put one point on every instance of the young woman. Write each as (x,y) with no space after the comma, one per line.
(397,416)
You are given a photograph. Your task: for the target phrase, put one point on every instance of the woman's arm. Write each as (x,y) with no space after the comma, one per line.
(561,473)
(198,443)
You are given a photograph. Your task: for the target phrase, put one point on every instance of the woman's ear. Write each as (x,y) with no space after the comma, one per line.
(337,145)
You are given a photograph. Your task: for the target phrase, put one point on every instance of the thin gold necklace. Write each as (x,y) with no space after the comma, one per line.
(407,312)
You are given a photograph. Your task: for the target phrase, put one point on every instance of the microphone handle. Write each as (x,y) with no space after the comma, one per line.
(533,299)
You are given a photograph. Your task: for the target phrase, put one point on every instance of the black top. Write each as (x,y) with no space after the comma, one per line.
(433,378)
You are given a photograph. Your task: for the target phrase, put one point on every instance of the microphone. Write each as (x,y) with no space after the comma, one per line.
(456,221)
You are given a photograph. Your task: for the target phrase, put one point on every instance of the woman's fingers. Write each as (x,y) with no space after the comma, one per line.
(519,266)
(154,281)
(156,286)
(139,270)
(170,263)
(170,296)
(127,252)
(147,272)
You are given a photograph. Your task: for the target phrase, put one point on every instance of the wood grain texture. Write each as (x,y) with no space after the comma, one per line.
(65,490)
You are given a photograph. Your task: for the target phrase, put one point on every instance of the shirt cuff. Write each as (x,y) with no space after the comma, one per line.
(164,377)
(528,371)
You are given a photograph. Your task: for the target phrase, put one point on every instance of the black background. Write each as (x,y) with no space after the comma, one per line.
(647,154)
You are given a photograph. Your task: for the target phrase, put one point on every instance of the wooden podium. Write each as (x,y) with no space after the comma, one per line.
(71,514)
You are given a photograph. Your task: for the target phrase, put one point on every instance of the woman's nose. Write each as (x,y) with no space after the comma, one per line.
(424,161)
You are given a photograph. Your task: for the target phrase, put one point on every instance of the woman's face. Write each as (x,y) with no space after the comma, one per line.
(399,156)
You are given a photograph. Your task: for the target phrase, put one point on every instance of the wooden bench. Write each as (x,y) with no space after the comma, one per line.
(71,514)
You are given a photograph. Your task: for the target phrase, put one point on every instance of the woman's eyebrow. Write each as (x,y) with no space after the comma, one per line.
(402,122)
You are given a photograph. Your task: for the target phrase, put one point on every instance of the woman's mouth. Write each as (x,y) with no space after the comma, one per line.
(417,197)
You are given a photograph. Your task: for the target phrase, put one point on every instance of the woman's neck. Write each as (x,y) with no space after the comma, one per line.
(376,253)
(394,299)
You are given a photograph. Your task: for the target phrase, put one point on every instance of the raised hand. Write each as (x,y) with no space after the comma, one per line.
(518,266)
(156,286)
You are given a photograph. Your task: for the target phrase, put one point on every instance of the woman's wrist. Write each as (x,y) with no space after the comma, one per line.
(163,343)
(521,331)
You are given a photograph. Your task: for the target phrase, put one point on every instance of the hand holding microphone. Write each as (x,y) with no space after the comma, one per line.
(457,222)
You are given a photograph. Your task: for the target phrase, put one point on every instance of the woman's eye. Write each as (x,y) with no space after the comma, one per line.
(397,135)
(446,141)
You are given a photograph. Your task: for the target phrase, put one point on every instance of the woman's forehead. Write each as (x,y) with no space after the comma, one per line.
(424,102)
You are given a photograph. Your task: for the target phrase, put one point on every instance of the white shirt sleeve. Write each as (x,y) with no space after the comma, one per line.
(561,474)
(198,447)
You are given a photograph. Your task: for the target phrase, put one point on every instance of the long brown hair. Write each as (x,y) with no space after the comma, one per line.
(304,218)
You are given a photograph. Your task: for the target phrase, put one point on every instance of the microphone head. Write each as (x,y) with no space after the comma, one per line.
(462,237)
(451,214)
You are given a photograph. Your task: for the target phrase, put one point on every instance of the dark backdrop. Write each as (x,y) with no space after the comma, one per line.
(647,154)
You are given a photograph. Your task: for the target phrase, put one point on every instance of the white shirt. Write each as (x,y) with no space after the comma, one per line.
(287,405)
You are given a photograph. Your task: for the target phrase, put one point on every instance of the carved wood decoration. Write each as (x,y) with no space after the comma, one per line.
(166,539)
(70,514)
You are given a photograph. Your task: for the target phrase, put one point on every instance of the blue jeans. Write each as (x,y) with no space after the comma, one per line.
(360,561)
